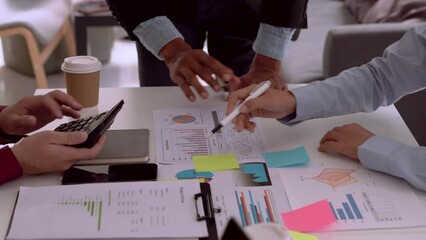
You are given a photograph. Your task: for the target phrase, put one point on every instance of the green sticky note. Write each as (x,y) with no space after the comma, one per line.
(302,236)
(285,158)
(217,162)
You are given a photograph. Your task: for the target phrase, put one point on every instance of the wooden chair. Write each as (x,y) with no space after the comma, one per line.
(39,55)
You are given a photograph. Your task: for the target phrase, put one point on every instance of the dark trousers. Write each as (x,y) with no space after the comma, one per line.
(230,28)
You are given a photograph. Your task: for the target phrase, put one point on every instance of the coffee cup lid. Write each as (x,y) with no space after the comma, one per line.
(81,64)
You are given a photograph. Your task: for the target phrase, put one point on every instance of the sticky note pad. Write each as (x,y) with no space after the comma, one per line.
(310,218)
(302,236)
(217,162)
(285,158)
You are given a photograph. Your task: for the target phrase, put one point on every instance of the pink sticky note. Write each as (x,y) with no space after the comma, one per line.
(310,218)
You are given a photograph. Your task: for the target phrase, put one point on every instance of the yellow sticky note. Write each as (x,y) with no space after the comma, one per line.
(302,236)
(217,162)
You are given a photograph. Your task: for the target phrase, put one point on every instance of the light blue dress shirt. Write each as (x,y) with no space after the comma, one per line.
(155,33)
(381,82)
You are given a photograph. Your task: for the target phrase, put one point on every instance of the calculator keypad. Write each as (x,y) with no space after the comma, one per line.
(80,124)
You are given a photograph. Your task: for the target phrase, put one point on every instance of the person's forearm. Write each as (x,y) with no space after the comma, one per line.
(266,63)
(171,49)
(364,89)
(396,159)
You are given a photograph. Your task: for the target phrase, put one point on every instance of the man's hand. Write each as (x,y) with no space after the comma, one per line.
(262,68)
(272,104)
(32,113)
(185,64)
(345,140)
(50,151)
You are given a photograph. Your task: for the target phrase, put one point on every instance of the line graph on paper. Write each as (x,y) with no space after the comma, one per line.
(181,133)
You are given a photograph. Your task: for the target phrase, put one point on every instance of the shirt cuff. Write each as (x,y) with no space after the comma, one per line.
(155,33)
(374,154)
(9,166)
(307,107)
(272,41)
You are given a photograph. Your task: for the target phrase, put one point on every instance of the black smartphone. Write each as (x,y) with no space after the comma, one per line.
(95,126)
(133,172)
(75,175)
(116,173)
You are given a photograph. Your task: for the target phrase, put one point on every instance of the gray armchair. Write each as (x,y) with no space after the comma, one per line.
(353,45)
(334,41)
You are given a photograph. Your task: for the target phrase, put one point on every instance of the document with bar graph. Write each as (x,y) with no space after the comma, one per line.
(181,133)
(130,210)
(248,203)
(359,198)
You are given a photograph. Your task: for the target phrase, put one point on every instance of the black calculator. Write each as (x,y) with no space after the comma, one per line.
(95,126)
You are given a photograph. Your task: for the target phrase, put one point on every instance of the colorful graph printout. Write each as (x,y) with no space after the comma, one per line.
(183,119)
(359,198)
(252,174)
(192,174)
(257,209)
(181,134)
(336,177)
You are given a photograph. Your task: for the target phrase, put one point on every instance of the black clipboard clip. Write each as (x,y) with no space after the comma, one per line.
(209,210)
(207,201)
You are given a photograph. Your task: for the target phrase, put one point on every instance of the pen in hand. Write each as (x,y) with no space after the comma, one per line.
(256,92)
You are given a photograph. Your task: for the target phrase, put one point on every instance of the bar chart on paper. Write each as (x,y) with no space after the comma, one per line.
(98,209)
(256,207)
(362,207)
(181,133)
(92,206)
(359,198)
(348,209)
(101,211)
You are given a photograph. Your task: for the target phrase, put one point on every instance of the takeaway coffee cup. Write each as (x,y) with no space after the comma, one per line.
(82,79)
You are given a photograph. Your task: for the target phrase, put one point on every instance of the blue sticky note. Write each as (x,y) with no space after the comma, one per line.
(286,158)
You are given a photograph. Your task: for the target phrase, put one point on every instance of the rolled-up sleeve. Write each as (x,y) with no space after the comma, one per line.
(272,41)
(155,33)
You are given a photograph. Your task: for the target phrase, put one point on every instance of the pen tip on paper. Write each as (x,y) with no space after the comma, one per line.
(209,135)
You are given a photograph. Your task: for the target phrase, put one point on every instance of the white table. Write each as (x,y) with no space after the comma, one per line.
(137,112)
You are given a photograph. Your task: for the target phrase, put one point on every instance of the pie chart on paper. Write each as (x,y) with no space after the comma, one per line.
(183,119)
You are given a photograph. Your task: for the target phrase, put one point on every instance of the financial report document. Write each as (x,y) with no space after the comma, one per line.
(358,197)
(181,133)
(108,210)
